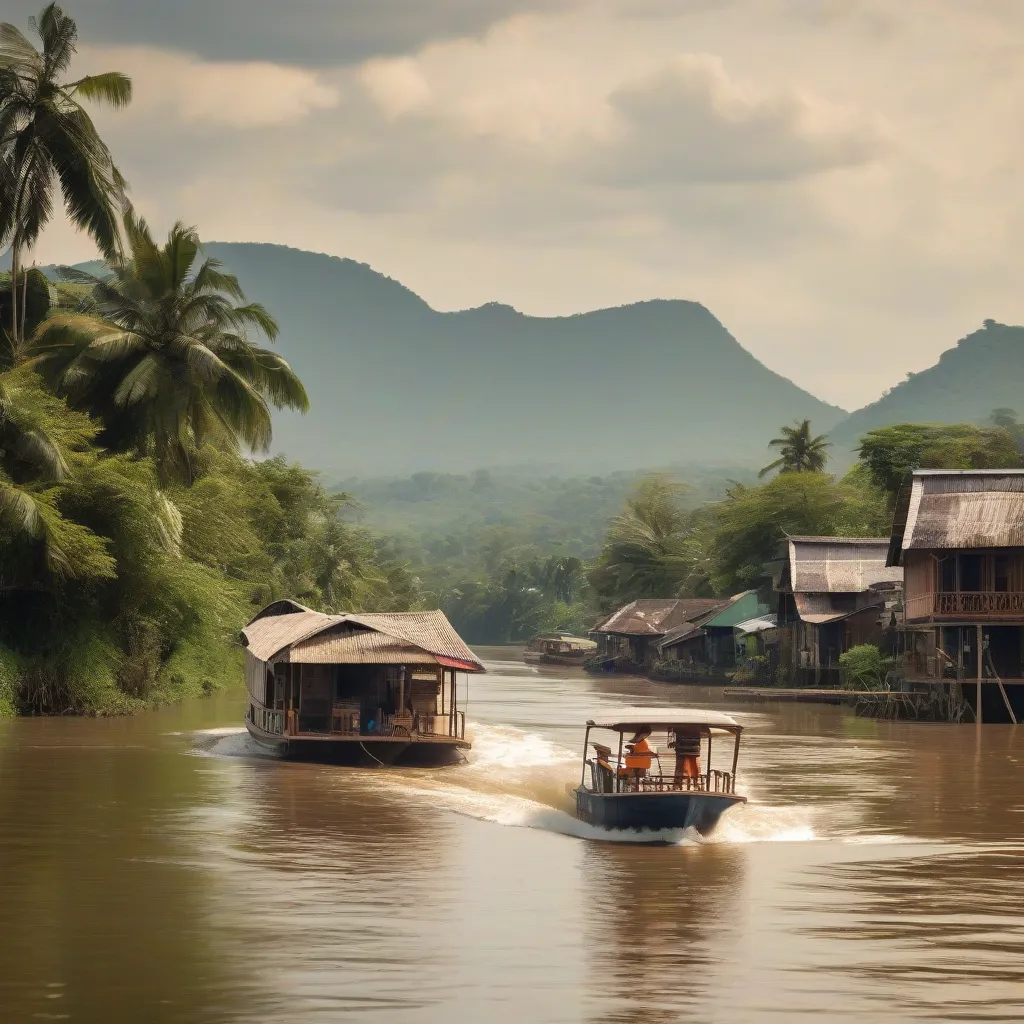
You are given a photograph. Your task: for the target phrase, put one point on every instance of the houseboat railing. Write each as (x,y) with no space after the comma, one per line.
(965,602)
(267,720)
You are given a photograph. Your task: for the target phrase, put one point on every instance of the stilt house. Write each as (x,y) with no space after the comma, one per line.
(959,537)
(834,593)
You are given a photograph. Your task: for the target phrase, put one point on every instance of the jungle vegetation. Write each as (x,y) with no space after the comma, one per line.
(136,535)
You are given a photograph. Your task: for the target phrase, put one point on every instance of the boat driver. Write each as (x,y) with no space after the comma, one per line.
(687,747)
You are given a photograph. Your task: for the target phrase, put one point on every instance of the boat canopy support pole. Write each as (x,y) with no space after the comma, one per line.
(735,757)
(618,764)
(586,746)
(707,784)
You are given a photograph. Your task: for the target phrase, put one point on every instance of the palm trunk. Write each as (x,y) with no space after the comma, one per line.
(24,308)
(14,293)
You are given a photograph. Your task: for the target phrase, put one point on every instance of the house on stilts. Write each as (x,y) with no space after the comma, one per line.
(959,537)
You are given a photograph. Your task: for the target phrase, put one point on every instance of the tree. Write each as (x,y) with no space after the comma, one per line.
(747,528)
(890,453)
(161,355)
(799,452)
(647,550)
(47,138)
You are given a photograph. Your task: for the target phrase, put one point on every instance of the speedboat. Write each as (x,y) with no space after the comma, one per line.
(633,789)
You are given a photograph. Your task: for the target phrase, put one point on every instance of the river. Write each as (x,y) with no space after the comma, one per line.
(155,869)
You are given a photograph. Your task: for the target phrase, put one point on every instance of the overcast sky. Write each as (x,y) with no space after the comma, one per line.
(838,181)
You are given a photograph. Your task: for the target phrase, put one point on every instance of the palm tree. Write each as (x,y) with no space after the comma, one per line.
(648,550)
(799,452)
(160,354)
(47,137)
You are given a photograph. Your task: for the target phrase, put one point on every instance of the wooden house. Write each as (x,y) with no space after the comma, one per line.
(709,641)
(959,537)
(834,593)
(632,633)
(372,688)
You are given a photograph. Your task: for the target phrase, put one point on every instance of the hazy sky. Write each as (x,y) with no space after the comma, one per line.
(839,181)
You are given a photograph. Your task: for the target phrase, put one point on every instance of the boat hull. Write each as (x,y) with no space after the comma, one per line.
(364,752)
(655,811)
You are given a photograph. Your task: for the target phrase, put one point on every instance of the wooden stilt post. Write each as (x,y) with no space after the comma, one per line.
(979,717)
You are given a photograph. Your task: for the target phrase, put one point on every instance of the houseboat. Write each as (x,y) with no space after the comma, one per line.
(558,649)
(366,689)
(634,789)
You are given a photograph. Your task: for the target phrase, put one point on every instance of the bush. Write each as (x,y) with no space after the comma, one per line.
(864,666)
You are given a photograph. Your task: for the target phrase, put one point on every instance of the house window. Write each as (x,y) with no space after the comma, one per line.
(1002,573)
(971,575)
(947,574)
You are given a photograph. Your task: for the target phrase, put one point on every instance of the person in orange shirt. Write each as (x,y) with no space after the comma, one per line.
(639,755)
(687,747)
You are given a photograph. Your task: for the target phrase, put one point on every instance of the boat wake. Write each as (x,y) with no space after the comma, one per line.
(521,779)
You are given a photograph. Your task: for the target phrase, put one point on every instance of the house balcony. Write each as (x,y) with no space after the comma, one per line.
(965,606)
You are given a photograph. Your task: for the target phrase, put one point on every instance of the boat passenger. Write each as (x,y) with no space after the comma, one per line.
(687,748)
(639,756)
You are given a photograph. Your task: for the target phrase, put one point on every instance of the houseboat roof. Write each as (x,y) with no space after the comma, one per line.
(625,719)
(839,565)
(975,508)
(366,638)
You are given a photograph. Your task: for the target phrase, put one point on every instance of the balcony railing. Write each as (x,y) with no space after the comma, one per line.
(980,603)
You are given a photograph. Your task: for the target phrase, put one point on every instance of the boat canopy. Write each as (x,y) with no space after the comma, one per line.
(634,719)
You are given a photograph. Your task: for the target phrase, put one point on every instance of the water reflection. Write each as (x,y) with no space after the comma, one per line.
(659,923)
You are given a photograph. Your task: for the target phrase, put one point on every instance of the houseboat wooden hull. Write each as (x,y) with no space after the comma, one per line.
(362,751)
(654,810)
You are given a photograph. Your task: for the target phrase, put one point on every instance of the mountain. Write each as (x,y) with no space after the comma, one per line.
(984,371)
(396,386)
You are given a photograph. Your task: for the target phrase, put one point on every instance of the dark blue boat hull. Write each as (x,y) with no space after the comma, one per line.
(654,811)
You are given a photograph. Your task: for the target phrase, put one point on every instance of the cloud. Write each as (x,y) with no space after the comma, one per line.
(689,121)
(312,33)
(198,93)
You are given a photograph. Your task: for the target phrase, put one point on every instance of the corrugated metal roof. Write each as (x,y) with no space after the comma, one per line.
(656,617)
(684,632)
(430,632)
(821,608)
(962,509)
(839,565)
(758,624)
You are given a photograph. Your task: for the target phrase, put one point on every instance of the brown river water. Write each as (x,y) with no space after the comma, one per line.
(155,869)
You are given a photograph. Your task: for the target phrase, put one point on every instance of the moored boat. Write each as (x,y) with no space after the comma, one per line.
(370,689)
(633,790)
(558,649)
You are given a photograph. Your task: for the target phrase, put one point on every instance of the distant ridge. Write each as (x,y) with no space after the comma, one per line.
(397,386)
(982,372)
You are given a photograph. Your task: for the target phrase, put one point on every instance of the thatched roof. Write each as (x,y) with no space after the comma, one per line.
(288,631)
(942,509)
(839,565)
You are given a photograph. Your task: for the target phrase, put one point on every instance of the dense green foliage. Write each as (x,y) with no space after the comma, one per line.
(890,453)
(135,538)
(159,353)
